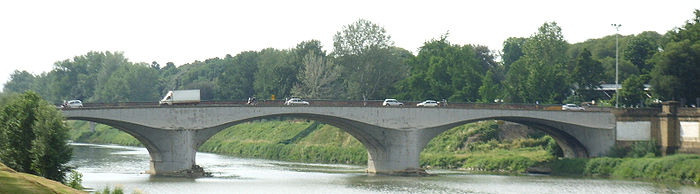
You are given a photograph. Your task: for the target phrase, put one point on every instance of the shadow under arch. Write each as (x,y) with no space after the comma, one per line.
(356,129)
(130,129)
(570,145)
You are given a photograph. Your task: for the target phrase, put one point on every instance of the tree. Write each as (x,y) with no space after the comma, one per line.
(137,82)
(641,48)
(369,60)
(675,75)
(587,74)
(543,60)
(512,50)
(318,77)
(236,80)
(33,137)
(632,91)
(50,151)
(442,70)
(20,81)
(276,73)
(18,118)
(490,88)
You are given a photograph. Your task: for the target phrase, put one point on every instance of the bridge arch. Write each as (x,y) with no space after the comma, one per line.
(135,131)
(571,146)
(358,130)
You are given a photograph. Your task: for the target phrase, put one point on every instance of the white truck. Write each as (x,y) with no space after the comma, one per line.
(181,97)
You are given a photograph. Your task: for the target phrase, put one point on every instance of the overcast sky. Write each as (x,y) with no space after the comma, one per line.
(34,34)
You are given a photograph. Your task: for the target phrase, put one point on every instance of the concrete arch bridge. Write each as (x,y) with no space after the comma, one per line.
(394,137)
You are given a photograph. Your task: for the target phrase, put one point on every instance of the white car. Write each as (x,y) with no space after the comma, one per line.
(571,107)
(391,102)
(73,104)
(428,103)
(295,101)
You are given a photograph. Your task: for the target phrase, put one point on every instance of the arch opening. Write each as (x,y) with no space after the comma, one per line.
(368,142)
(473,138)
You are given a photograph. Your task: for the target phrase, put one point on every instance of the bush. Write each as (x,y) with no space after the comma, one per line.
(636,150)
(75,180)
(569,166)
(643,149)
(680,167)
(601,167)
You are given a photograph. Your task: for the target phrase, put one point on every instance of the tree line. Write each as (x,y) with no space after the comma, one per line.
(365,64)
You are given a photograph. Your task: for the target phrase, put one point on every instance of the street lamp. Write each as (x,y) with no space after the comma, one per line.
(617,95)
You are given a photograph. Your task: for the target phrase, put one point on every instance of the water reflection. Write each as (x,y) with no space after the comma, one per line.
(119,165)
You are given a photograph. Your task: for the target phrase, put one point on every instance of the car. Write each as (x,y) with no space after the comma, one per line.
(428,103)
(73,104)
(391,102)
(295,101)
(571,107)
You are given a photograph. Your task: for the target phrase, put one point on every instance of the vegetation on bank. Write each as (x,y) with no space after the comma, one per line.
(683,168)
(33,137)
(12,181)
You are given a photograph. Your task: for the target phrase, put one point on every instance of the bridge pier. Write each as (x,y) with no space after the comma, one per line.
(172,153)
(398,153)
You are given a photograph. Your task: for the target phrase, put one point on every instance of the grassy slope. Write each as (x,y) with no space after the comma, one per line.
(14,182)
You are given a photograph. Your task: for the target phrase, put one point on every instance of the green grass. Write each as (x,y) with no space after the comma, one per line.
(80,132)
(15,182)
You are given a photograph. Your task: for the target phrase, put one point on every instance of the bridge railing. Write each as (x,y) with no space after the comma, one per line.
(344,103)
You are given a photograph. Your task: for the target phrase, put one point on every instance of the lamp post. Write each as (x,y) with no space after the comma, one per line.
(617,95)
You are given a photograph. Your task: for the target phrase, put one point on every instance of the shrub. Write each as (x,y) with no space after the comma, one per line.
(75,180)
(602,167)
(569,166)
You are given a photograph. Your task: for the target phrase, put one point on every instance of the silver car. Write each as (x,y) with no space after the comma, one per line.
(296,101)
(73,104)
(391,102)
(428,103)
(571,107)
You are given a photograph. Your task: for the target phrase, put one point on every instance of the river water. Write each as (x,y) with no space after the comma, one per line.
(110,165)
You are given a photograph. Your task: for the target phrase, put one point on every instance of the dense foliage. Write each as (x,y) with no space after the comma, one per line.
(365,64)
(33,137)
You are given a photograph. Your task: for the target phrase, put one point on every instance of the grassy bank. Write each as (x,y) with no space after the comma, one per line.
(15,182)
(683,168)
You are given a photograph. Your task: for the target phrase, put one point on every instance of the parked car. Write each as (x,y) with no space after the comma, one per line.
(73,104)
(296,101)
(571,107)
(391,102)
(428,103)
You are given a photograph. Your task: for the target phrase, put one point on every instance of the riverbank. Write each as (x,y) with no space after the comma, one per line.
(16,182)
(487,146)
(683,168)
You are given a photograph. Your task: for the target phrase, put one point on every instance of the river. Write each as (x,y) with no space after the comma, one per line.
(111,165)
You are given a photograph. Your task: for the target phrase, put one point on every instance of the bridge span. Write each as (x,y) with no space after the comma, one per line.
(394,137)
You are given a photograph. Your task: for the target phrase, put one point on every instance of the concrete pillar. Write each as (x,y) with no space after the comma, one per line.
(92,126)
(398,154)
(669,128)
(173,153)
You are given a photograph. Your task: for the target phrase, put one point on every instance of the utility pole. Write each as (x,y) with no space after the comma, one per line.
(617,32)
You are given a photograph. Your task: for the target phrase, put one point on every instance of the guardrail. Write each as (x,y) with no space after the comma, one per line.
(336,103)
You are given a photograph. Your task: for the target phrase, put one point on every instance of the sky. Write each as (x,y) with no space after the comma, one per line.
(34,34)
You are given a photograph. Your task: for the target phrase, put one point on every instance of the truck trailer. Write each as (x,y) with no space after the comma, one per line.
(181,97)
